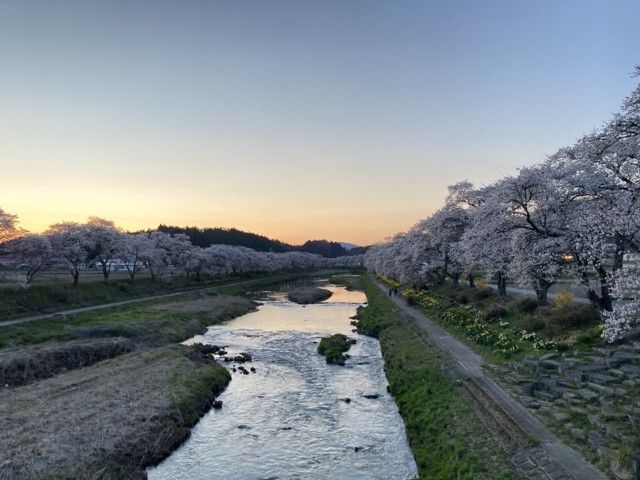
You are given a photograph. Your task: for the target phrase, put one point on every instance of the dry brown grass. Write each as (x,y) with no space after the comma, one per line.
(120,414)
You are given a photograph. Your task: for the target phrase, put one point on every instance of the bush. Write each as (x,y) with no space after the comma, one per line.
(533,323)
(460,297)
(570,318)
(495,313)
(333,348)
(61,295)
(563,300)
(412,300)
(525,305)
(483,293)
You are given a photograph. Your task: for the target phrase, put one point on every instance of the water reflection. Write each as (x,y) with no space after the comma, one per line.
(291,419)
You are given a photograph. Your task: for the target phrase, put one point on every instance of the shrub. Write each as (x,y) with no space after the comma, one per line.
(533,323)
(494,313)
(460,297)
(61,295)
(563,300)
(525,305)
(333,348)
(412,300)
(483,293)
(570,318)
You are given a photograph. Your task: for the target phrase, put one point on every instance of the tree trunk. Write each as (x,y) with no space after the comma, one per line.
(76,275)
(105,271)
(502,285)
(618,258)
(605,302)
(471,280)
(456,279)
(542,291)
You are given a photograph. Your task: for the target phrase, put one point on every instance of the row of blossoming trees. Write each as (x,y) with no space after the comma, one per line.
(102,244)
(576,214)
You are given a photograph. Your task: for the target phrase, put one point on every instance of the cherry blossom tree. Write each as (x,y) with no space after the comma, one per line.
(198,262)
(133,250)
(70,241)
(625,313)
(8,227)
(104,243)
(32,253)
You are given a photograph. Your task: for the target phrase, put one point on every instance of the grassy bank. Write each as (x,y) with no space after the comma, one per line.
(52,297)
(501,328)
(447,439)
(108,421)
(148,325)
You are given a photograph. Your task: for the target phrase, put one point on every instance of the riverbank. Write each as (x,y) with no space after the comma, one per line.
(447,438)
(107,393)
(107,421)
(59,296)
(552,359)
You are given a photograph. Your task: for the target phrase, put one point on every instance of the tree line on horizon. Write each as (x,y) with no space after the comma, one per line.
(100,244)
(575,214)
(205,237)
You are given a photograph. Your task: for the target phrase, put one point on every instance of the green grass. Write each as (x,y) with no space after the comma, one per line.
(51,297)
(333,348)
(447,439)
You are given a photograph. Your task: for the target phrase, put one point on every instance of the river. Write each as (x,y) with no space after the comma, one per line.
(290,419)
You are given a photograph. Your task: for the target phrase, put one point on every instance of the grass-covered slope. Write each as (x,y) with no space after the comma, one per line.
(110,420)
(447,439)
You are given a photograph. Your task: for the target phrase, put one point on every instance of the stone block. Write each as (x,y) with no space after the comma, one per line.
(600,378)
(560,416)
(600,389)
(587,394)
(575,375)
(552,365)
(594,439)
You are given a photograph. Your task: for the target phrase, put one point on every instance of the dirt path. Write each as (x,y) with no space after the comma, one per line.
(75,311)
(555,456)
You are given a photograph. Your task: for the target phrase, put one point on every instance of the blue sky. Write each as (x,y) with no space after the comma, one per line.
(343,120)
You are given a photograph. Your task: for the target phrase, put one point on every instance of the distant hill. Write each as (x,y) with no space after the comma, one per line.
(204,237)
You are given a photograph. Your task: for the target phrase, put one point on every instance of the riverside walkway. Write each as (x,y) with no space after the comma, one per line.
(550,458)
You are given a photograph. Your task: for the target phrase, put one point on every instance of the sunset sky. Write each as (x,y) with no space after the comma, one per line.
(343,120)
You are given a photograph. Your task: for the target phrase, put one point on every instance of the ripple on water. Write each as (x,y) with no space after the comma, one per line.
(289,420)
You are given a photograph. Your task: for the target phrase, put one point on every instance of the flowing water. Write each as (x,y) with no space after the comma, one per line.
(289,419)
